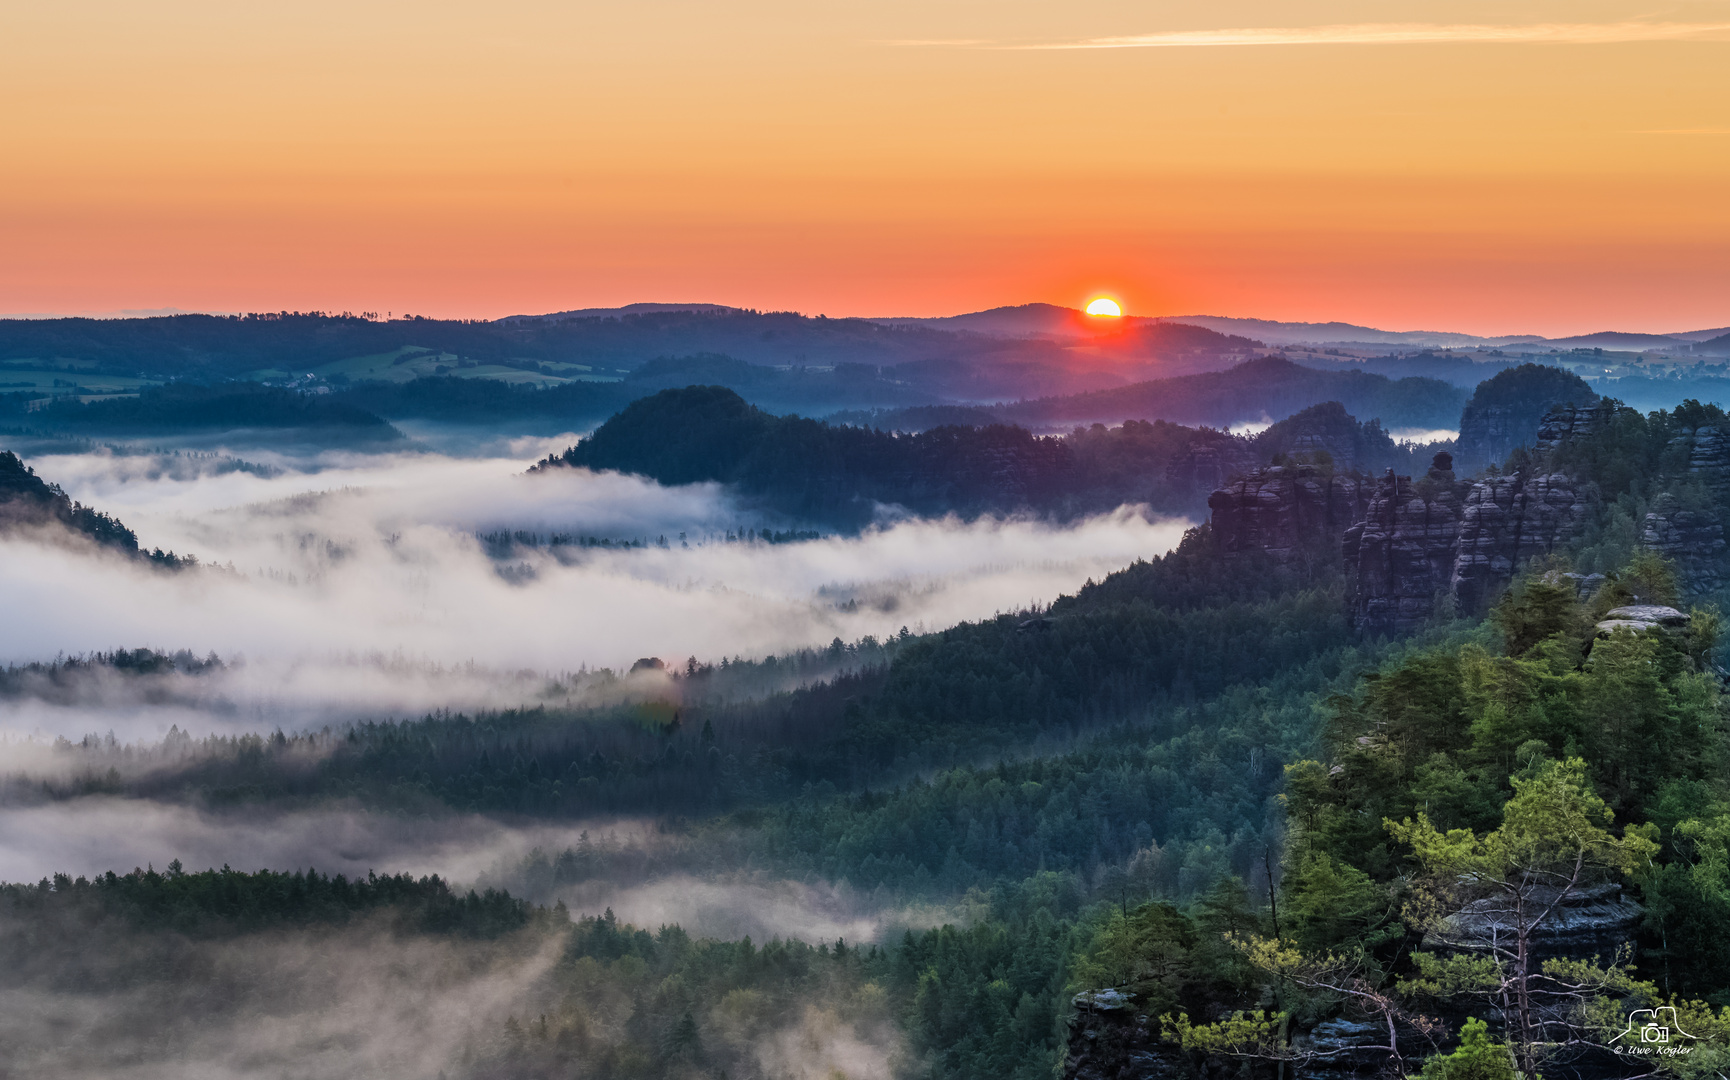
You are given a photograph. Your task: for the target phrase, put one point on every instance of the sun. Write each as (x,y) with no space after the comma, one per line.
(1106,306)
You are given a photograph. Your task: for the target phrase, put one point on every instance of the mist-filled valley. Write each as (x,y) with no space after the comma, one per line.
(1197,725)
(864,541)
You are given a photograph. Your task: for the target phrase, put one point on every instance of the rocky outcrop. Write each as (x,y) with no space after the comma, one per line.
(1507,520)
(1109,1040)
(1642,618)
(1401,555)
(1295,515)
(1591,921)
(1121,1044)
(1408,545)
(1585,586)
(1566,423)
(1708,450)
(1693,541)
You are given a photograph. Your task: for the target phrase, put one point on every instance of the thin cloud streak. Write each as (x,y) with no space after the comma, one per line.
(1396,34)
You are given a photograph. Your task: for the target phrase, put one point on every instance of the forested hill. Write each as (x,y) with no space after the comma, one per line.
(188,407)
(1265,387)
(822,472)
(842,474)
(215,347)
(27,502)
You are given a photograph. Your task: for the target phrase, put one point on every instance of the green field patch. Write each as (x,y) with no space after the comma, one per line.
(66,380)
(414,362)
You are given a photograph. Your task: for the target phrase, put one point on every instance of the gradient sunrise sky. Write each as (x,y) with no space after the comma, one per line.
(1496,167)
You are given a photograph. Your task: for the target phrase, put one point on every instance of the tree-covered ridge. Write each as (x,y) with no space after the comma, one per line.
(194,407)
(972,692)
(1267,386)
(815,470)
(214,346)
(781,359)
(27,502)
(1450,778)
(456,400)
(845,474)
(226,901)
(1505,411)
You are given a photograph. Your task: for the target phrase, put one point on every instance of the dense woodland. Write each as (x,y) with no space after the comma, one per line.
(783,360)
(1194,782)
(847,475)
(293,373)
(193,407)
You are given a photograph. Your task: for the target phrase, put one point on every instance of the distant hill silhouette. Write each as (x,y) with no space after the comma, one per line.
(1615,339)
(844,475)
(616,312)
(185,407)
(1256,389)
(825,363)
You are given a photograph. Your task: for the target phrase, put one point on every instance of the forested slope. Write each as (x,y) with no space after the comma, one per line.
(1195,783)
(29,503)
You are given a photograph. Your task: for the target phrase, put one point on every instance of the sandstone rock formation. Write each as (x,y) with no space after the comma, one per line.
(1642,618)
(1506,521)
(1595,920)
(1402,553)
(1708,450)
(1565,424)
(1692,540)
(1120,1045)
(1294,514)
(1408,546)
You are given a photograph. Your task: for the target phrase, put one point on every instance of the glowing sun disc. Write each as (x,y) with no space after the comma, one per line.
(1104,306)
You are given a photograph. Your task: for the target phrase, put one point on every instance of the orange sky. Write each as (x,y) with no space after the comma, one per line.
(1507,167)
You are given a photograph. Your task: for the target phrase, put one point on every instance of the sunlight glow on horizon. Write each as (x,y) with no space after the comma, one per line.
(1105,306)
(530,157)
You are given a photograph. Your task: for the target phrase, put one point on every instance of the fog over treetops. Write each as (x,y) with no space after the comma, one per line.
(714,742)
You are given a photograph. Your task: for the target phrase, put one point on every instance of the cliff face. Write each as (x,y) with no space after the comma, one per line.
(1293,514)
(1566,423)
(1440,540)
(1693,541)
(1402,553)
(1507,520)
(1109,1040)
(1708,451)
(1408,546)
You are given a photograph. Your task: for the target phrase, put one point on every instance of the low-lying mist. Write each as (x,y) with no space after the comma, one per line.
(93,992)
(361,588)
(650,878)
